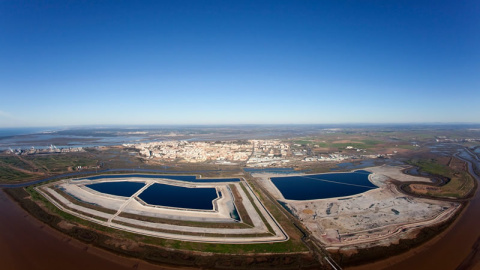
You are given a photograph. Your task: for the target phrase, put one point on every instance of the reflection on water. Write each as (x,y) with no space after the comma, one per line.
(179,197)
(184,178)
(321,186)
(455,246)
(25,243)
(125,189)
(414,171)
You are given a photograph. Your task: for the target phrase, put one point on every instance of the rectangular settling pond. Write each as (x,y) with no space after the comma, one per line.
(179,197)
(125,189)
(322,186)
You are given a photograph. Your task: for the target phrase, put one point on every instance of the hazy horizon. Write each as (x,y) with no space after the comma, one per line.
(153,126)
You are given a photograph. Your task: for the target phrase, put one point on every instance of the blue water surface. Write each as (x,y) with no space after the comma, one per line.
(322,186)
(179,197)
(185,178)
(355,178)
(125,189)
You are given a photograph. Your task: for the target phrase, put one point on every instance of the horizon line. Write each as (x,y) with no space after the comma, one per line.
(244,124)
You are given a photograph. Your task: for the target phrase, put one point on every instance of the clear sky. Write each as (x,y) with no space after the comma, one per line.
(238,62)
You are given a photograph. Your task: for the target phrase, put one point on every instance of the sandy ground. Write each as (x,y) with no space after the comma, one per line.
(223,206)
(395,172)
(377,217)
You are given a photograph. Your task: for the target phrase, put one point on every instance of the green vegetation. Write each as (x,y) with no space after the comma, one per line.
(256,209)
(44,202)
(362,144)
(295,241)
(219,235)
(15,168)
(407,146)
(459,183)
(430,166)
(459,187)
(8,175)
(184,222)
(242,212)
(60,163)
(280,247)
(331,143)
(17,161)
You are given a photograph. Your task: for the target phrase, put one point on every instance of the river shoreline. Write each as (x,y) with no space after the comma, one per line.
(442,246)
(395,262)
(63,251)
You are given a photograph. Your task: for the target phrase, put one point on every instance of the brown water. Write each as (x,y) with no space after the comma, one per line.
(446,251)
(26,243)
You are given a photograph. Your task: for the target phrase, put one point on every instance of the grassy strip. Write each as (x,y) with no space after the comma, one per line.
(430,166)
(79,211)
(16,162)
(61,162)
(270,229)
(9,175)
(184,222)
(460,183)
(295,242)
(219,235)
(39,212)
(240,207)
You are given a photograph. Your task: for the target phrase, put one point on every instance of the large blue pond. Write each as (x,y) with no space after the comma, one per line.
(321,186)
(181,197)
(185,178)
(125,189)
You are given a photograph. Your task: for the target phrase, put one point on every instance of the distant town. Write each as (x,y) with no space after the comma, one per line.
(50,150)
(255,153)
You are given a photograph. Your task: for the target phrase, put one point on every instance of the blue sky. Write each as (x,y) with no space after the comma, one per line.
(238,62)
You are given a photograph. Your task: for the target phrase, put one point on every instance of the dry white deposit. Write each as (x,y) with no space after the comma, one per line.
(377,217)
(134,215)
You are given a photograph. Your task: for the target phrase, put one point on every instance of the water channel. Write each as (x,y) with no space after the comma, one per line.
(451,248)
(26,243)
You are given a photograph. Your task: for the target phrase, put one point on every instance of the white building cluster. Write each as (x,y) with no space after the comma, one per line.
(264,152)
(268,153)
(49,150)
(195,151)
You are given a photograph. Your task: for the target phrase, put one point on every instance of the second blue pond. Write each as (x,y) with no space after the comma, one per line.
(322,186)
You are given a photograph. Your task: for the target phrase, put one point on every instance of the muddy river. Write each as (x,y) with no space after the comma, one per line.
(25,243)
(450,249)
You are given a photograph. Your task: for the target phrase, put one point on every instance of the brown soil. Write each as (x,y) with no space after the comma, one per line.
(308,211)
(158,254)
